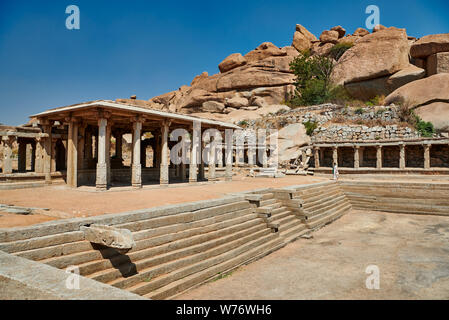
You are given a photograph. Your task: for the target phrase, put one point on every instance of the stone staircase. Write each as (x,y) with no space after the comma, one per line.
(172,253)
(322,204)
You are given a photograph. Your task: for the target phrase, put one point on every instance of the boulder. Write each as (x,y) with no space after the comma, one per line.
(429,97)
(378,28)
(376,55)
(266,49)
(349,39)
(302,39)
(290,139)
(341,31)
(213,106)
(429,45)
(237,102)
(321,49)
(329,36)
(259,102)
(368,89)
(121,239)
(231,62)
(422,91)
(291,51)
(438,63)
(274,95)
(360,32)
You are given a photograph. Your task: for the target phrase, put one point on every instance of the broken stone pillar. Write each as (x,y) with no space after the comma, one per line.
(228,154)
(438,63)
(102,172)
(120,239)
(7,154)
(137,166)
(33,156)
(427,156)
(164,153)
(195,152)
(356,157)
(378,157)
(72,154)
(317,157)
(402,156)
(21,162)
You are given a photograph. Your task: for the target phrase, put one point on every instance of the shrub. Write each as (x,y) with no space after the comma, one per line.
(310,127)
(339,49)
(242,123)
(359,111)
(425,128)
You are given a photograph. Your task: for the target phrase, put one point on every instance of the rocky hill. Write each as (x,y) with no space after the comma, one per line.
(385,62)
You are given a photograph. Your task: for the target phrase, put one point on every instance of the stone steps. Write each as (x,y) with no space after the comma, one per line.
(152,278)
(171,283)
(329,217)
(322,207)
(325,201)
(326,211)
(149,251)
(318,195)
(197,278)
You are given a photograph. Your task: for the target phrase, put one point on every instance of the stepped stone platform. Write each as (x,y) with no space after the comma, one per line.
(178,247)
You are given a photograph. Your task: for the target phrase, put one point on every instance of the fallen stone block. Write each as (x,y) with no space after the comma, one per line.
(108,236)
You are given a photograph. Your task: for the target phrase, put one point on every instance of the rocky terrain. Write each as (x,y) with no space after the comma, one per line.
(254,87)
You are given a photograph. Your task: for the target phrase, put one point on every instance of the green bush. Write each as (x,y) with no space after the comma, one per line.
(339,49)
(310,127)
(425,128)
(359,111)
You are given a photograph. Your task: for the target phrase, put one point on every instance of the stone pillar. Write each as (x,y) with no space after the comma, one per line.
(136,165)
(335,155)
(212,159)
(119,144)
(7,154)
(317,157)
(201,164)
(102,172)
(22,160)
(379,157)
(228,155)
(402,156)
(164,153)
(33,156)
(72,154)
(108,152)
(195,153)
(46,151)
(427,156)
(81,145)
(356,157)
(53,155)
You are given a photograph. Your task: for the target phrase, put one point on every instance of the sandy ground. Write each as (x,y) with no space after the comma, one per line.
(64,202)
(410,251)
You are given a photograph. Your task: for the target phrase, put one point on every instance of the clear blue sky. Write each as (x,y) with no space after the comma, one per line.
(151,47)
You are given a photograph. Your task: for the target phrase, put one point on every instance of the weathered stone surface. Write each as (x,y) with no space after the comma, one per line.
(429,97)
(213,106)
(360,32)
(109,236)
(438,63)
(378,28)
(341,31)
(375,55)
(233,61)
(302,38)
(322,49)
(429,45)
(368,89)
(291,51)
(253,78)
(349,39)
(274,95)
(329,36)
(290,139)
(237,102)
(199,78)
(437,113)
(265,50)
(422,91)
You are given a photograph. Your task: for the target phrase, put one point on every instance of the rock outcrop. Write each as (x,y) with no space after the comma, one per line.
(429,97)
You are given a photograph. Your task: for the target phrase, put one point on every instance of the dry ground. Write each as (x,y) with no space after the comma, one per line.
(64,202)
(411,251)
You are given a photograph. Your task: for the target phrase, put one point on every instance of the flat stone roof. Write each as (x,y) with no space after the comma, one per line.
(111,105)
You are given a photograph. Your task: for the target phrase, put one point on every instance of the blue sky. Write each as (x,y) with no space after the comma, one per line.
(151,47)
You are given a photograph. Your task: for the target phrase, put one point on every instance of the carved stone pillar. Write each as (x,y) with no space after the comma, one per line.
(7,154)
(378,157)
(102,172)
(195,151)
(427,156)
(317,157)
(228,154)
(164,176)
(136,165)
(356,157)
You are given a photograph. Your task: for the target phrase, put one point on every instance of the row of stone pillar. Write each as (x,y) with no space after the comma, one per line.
(402,163)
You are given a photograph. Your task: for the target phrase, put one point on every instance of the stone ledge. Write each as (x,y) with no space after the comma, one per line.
(23,279)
